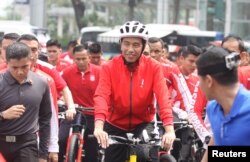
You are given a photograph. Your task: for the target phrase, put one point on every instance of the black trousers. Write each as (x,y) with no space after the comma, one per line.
(120,153)
(25,149)
(90,145)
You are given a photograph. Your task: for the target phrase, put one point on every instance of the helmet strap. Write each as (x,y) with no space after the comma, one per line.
(131,65)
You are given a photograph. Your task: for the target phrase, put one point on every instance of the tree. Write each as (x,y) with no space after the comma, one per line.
(79,8)
(132,4)
(94,20)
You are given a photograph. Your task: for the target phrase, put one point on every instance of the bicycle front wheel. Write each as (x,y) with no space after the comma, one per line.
(73,148)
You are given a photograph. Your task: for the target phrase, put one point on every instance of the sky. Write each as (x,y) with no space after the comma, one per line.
(3,5)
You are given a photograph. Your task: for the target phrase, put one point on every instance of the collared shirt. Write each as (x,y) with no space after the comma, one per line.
(82,84)
(34,94)
(232,129)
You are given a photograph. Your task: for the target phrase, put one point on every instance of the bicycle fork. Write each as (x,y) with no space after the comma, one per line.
(80,146)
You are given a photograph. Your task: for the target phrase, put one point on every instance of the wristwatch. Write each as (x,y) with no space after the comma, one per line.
(1,116)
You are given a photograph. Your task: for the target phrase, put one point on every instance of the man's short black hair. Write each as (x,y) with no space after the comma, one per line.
(72,43)
(165,46)
(53,42)
(187,50)
(17,50)
(210,59)
(155,40)
(11,36)
(94,48)
(27,37)
(241,47)
(78,48)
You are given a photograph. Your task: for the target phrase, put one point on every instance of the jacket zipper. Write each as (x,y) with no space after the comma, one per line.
(130,99)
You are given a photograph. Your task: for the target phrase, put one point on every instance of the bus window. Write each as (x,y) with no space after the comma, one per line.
(89,36)
(110,49)
(199,38)
(91,33)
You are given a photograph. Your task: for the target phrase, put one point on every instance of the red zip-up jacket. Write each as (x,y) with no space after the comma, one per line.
(126,99)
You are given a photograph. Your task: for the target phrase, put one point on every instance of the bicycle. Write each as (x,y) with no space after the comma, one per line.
(75,142)
(132,144)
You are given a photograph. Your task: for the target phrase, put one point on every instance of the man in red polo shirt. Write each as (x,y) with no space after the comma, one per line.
(95,51)
(53,53)
(82,79)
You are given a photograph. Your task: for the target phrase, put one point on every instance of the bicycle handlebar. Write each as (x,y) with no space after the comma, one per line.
(114,139)
(62,107)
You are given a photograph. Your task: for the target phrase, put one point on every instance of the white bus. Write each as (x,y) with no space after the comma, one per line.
(179,35)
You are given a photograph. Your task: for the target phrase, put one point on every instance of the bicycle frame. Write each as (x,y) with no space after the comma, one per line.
(75,140)
(80,145)
(76,130)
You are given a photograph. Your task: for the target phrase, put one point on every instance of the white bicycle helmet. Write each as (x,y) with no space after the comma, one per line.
(134,29)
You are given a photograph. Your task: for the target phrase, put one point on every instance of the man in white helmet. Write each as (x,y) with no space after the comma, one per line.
(124,98)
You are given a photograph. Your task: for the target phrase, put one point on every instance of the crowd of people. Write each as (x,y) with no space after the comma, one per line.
(206,86)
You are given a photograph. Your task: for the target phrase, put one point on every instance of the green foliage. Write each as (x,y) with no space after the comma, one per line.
(64,40)
(94,20)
